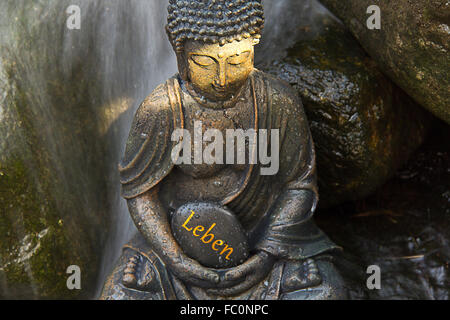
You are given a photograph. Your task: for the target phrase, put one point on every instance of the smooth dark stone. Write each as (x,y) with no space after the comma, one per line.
(227,228)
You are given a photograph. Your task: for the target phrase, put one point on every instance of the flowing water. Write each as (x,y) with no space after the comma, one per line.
(134,56)
(78,90)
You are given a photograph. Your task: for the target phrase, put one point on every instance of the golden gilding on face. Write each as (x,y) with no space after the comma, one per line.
(218,71)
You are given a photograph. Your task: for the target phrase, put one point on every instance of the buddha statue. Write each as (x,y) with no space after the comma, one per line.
(218,88)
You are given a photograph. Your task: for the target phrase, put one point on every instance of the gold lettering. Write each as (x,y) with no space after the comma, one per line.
(230,251)
(187,221)
(208,234)
(198,228)
(217,243)
(208,237)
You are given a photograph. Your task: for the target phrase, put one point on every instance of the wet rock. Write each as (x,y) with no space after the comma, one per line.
(403,228)
(67,100)
(412,47)
(54,165)
(364,127)
(206,233)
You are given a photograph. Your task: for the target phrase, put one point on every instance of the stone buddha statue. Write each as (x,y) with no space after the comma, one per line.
(218,88)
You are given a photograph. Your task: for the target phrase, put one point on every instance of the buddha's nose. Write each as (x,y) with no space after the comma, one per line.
(221,78)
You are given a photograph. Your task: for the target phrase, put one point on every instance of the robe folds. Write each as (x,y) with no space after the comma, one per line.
(266,206)
(290,235)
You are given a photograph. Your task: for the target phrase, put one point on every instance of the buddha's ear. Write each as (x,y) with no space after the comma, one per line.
(182,65)
(256,40)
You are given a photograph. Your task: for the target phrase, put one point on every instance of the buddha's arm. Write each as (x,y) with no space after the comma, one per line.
(293,208)
(290,224)
(152,221)
(289,230)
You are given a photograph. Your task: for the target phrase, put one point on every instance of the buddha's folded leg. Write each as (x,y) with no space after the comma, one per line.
(139,275)
(312,279)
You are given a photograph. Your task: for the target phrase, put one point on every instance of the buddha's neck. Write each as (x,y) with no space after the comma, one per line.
(217,105)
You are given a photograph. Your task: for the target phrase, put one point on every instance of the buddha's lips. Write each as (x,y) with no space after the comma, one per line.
(220,89)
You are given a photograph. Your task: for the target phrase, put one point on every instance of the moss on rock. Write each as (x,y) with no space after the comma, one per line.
(53,200)
(364,127)
(412,47)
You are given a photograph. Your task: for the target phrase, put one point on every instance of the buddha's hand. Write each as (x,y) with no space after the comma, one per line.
(193,273)
(245,276)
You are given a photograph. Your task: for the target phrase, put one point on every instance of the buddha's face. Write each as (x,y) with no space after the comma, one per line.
(218,72)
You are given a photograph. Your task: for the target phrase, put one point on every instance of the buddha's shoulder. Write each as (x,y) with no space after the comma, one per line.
(155,106)
(158,99)
(280,91)
(276,87)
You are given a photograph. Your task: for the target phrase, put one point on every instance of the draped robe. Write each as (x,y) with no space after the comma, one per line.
(261,203)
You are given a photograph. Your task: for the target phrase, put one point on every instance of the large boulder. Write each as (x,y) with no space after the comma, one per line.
(412,47)
(66,103)
(364,127)
(53,204)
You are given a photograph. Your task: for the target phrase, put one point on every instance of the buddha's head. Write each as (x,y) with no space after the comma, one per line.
(214,41)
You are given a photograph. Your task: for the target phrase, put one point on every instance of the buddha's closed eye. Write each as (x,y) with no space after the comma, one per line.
(203,61)
(239,58)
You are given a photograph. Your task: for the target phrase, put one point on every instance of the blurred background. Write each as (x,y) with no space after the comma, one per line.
(377,102)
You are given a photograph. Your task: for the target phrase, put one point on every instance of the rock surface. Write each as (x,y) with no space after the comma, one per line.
(363,126)
(412,47)
(403,228)
(214,224)
(64,101)
(51,180)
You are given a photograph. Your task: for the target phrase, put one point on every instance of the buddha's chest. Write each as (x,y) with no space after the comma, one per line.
(208,176)
(211,137)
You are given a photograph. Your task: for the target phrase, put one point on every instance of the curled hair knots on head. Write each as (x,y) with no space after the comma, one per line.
(213,21)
